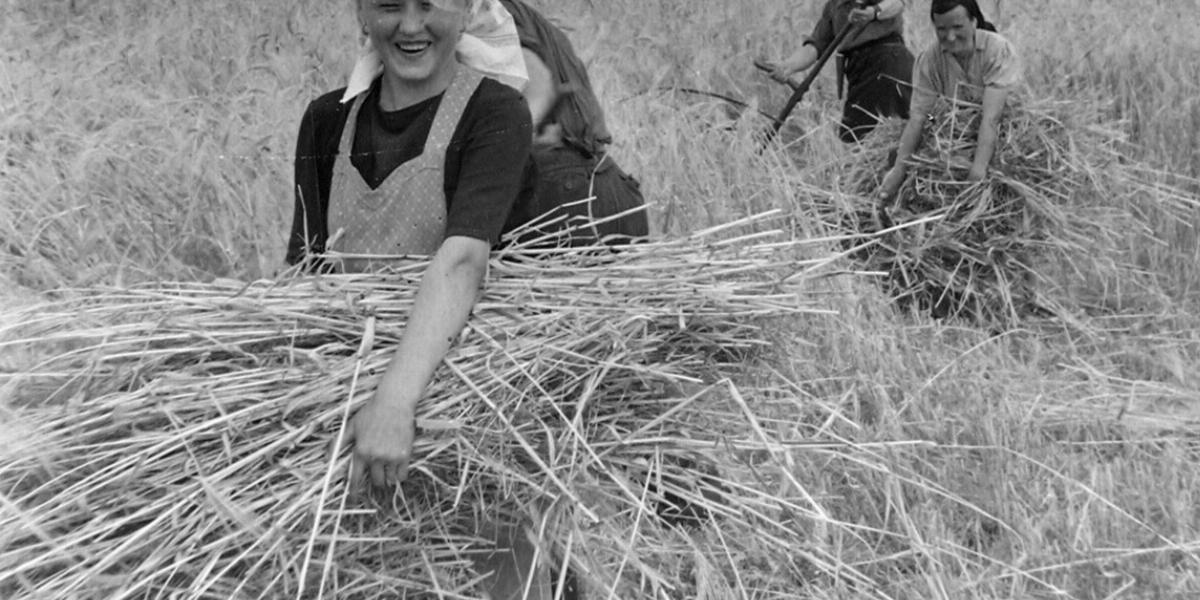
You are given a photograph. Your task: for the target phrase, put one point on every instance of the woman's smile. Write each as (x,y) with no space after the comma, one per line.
(414,48)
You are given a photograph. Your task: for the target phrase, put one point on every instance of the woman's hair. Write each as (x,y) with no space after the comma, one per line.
(939,7)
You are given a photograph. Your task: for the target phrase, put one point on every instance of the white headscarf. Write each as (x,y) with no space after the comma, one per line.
(489,45)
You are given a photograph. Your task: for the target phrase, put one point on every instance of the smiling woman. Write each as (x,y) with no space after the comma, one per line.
(420,155)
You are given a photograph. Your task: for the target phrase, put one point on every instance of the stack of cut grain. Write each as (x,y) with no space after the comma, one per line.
(1058,206)
(174,436)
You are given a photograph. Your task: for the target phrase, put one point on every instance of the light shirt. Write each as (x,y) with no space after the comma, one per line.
(938,73)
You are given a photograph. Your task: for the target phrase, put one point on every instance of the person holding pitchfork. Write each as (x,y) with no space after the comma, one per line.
(873,62)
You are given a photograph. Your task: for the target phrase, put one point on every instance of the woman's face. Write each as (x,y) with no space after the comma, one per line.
(415,38)
(955,31)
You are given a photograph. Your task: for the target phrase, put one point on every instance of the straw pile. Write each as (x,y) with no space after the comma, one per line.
(1059,207)
(171,440)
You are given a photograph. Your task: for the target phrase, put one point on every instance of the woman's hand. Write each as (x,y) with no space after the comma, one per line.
(776,70)
(858,16)
(977,173)
(782,71)
(891,184)
(382,432)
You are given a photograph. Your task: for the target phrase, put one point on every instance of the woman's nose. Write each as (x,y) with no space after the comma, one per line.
(412,20)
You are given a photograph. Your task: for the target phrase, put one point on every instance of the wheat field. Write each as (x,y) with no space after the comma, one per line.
(150,141)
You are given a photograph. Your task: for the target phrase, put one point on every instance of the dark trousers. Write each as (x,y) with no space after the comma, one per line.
(879,78)
(583,190)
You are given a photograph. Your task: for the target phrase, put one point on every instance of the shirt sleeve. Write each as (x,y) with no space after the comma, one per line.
(492,165)
(926,85)
(1003,67)
(309,201)
(822,35)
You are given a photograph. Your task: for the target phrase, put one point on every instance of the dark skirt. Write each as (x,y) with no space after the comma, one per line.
(879,85)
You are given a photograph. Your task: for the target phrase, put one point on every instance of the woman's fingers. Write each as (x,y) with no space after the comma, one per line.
(398,472)
(367,472)
(379,472)
(762,64)
(358,474)
(773,69)
(402,469)
(382,439)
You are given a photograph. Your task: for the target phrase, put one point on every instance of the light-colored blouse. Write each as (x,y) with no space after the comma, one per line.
(995,63)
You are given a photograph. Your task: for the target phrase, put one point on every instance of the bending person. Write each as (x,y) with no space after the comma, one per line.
(873,59)
(576,176)
(969,63)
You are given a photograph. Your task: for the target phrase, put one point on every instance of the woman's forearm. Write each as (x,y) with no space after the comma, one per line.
(910,138)
(447,294)
(985,147)
(801,59)
(989,123)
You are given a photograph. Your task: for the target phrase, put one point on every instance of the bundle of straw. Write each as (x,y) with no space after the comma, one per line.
(172,440)
(1058,206)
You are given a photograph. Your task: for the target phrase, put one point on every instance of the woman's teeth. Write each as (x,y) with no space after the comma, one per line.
(413,47)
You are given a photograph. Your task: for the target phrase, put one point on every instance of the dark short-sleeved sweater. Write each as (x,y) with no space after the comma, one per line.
(488,174)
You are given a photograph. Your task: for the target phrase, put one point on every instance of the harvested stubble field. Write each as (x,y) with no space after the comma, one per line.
(168,400)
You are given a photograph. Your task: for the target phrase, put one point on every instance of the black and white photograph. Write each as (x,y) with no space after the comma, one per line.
(599,300)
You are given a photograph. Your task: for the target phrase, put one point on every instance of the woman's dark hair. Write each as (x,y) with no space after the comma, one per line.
(941,7)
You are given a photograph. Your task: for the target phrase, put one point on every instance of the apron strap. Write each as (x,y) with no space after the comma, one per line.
(449,113)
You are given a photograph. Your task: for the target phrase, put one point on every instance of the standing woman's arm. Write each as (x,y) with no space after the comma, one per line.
(384,428)
(489,176)
(810,48)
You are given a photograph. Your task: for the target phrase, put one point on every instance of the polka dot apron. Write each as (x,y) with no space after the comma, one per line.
(406,214)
